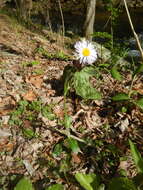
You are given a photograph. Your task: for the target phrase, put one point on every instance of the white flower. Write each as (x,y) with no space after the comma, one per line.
(85,52)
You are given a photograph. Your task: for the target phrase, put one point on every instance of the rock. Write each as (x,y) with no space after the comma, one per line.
(105,54)
(132,41)
(133,55)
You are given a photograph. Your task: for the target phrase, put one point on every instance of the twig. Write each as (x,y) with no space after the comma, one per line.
(62,17)
(133,30)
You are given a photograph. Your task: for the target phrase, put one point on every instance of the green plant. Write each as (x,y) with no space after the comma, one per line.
(24,183)
(55,187)
(58,55)
(32,63)
(92,181)
(79,80)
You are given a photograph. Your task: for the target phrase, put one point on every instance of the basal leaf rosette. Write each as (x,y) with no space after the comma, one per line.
(82,84)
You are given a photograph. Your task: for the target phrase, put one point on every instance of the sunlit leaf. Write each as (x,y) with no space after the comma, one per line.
(121,183)
(88,181)
(139,103)
(29,133)
(73,145)
(120,97)
(115,73)
(67,121)
(55,187)
(101,187)
(82,84)
(24,184)
(136,157)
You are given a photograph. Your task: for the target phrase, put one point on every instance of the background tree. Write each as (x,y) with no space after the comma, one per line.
(90,18)
(2,3)
(24,8)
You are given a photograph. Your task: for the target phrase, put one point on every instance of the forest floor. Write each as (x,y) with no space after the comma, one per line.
(32,138)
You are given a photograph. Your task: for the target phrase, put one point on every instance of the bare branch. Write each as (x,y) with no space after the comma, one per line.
(133,30)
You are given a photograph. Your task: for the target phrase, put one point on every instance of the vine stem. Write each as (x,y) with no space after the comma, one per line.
(133,30)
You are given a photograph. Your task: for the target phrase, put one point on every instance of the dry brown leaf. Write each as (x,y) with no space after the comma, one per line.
(36,80)
(30,95)
(139,88)
(6,105)
(50,92)
(59,111)
(76,159)
(5,145)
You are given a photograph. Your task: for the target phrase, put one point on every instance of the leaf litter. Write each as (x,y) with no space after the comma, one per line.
(32,115)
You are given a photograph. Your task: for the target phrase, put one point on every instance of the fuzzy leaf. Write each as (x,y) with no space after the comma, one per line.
(115,73)
(120,97)
(24,184)
(138,160)
(82,84)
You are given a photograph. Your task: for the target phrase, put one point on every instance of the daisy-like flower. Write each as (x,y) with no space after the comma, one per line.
(85,52)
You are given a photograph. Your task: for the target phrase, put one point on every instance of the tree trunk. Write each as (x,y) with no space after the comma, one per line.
(2,3)
(90,17)
(24,8)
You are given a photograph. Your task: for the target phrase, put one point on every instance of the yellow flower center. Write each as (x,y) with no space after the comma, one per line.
(86,52)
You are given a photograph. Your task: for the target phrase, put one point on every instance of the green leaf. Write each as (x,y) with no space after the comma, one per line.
(138,180)
(139,103)
(138,160)
(88,181)
(139,69)
(73,145)
(47,112)
(57,150)
(55,187)
(91,71)
(24,184)
(121,183)
(120,97)
(29,133)
(82,84)
(68,74)
(101,187)
(115,73)
(67,121)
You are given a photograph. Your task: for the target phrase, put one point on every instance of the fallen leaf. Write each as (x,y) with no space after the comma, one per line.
(36,80)
(30,95)
(76,159)
(58,111)
(28,167)
(6,105)
(139,88)
(4,133)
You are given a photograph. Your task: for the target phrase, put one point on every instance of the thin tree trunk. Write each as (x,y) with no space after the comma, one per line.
(24,8)
(90,18)
(133,30)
